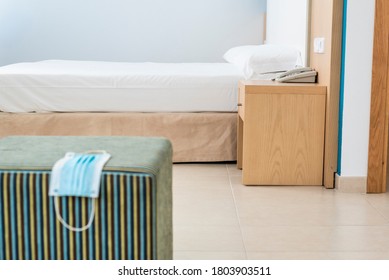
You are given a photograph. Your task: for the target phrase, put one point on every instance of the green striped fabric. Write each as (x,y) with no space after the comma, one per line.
(124,226)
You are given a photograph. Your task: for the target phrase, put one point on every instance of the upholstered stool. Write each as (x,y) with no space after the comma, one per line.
(133,214)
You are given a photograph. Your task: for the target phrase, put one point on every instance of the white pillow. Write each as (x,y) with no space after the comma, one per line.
(254,60)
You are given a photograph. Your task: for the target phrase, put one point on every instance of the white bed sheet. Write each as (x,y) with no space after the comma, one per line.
(90,86)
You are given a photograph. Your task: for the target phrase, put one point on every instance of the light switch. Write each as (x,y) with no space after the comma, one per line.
(318,45)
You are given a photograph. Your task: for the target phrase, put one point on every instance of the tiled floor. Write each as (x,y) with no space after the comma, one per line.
(216,217)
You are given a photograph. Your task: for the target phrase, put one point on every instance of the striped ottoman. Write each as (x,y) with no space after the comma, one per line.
(133,214)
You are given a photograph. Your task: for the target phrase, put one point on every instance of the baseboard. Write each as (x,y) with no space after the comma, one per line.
(351,184)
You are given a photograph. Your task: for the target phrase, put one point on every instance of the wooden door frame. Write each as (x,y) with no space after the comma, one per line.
(379,107)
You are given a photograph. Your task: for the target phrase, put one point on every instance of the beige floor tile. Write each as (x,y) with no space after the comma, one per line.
(201,175)
(203,255)
(216,217)
(233,170)
(271,195)
(384,211)
(318,255)
(204,190)
(199,169)
(380,202)
(285,238)
(207,238)
(303,206)
(307,214)
(378,199)
(359,255)
(288,256)
(287,192)
(209,182)
(320,239)
(204,208)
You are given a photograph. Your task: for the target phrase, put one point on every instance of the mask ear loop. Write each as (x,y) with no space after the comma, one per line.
(69,227)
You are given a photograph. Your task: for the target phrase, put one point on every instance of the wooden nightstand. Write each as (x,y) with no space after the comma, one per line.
(281,133)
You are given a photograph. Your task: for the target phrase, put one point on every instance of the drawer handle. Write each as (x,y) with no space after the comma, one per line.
(240,104)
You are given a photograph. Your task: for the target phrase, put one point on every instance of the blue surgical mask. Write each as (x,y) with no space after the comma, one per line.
(78,175)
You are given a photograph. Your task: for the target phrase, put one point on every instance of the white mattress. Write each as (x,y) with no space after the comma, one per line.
(87,86)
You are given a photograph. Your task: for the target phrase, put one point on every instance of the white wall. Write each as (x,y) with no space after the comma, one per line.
(287,23)
(357,87)
(127,30)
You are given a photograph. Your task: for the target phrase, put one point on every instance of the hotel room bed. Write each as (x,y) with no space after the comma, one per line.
(192,104)
(95,86)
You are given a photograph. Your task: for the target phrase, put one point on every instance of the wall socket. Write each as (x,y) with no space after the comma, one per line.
(318,45)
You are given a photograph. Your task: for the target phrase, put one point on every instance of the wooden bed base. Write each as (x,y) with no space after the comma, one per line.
(196,137)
